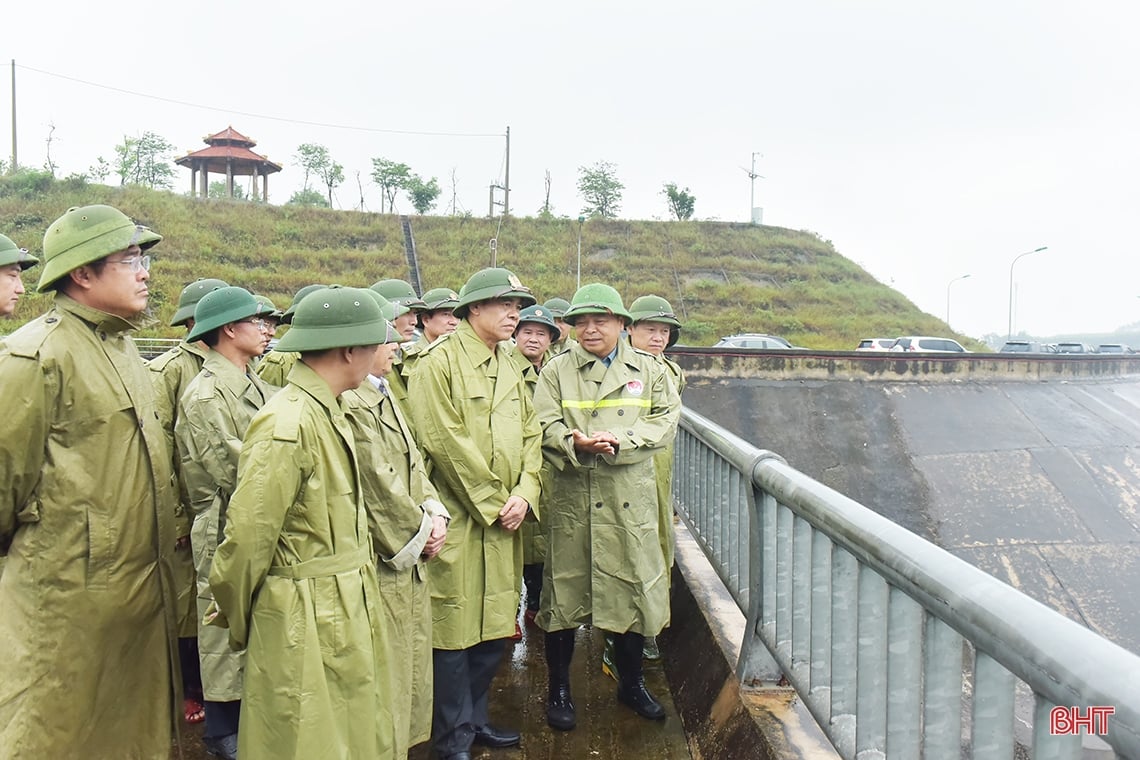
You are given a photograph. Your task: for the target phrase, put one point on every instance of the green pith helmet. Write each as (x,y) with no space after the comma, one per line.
(190,296)
(656,309)
(85,234)
(221,307)
(335,317)
(401,292)
(491,283)
(539,315)
(10,253)
(596,298)
(287,316)
(440,298)
(271,310)
(390,311)
(557,307)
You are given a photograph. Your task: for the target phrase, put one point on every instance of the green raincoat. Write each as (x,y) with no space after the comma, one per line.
(171,373)
(274,367)
(398,381)
(604,565)
(401,502)
(663,460)
(87,602)
(212,419)
(296,582)
(558,347)
(533,539)
(476,425)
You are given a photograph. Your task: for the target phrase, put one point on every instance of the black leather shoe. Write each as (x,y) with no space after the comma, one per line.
(489,736)
(636,696)
(224,747)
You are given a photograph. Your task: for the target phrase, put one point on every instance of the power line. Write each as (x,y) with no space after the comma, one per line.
(258,115)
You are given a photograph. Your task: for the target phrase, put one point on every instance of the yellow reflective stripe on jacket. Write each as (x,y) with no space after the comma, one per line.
(571,404)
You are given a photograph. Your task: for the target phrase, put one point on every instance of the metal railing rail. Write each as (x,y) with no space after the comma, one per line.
(152,347)
(898,648)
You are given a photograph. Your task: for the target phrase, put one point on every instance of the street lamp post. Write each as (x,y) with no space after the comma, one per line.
(1009,332)
(948,295)
(580,220)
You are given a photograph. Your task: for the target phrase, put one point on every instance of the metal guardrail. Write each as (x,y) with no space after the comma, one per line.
(898,648)
(152,347)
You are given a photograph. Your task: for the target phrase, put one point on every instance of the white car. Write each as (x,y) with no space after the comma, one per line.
(927,343)
(875,344)
(753,340)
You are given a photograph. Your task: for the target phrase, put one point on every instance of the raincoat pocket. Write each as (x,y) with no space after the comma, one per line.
(100,550)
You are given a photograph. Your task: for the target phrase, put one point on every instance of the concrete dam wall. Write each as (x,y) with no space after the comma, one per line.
(1027,468)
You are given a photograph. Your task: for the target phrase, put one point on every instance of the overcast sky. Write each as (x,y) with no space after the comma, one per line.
(926,140)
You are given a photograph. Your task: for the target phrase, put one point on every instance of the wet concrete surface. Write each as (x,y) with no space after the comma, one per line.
(606,729)
(1037,483)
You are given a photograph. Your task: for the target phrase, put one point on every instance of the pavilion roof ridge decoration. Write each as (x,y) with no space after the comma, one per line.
(229,134)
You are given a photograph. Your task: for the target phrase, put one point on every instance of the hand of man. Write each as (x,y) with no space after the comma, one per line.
(598,443)
(436,538)
(513,512)
(182,542)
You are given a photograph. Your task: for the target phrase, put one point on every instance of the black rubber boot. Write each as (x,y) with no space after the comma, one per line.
(631,679)
(559,705)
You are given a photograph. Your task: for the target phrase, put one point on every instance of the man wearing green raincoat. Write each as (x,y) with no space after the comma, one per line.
(408,306)
(535,332)
(409,526)
(13,261)
(655,328)
(476,425)
(213,415)
(294,578)
(171,373)
(437,320)
(87,600)
(606,409)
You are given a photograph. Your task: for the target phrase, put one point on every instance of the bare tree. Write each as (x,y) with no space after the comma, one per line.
(48,163)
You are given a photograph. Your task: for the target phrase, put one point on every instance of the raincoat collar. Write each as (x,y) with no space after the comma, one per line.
(100,320)
(473,345)
(234,380)
(310,382)
(583,357)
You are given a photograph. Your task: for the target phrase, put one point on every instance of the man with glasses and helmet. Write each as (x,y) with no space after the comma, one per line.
(86,510)
(213,415)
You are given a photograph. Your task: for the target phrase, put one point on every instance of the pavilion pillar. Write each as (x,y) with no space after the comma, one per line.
(265,186)
(204,181)
(230,177)
(193,182)
(253,186)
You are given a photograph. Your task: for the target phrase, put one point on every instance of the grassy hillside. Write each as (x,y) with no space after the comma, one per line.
(721,278)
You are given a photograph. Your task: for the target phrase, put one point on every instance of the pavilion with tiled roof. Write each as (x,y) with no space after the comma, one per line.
(229,154)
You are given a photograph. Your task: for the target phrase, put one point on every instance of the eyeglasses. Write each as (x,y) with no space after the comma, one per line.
(136,263)
(263,325)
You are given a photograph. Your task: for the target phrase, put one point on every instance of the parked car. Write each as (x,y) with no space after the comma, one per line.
(1027,347)
(927,343)
(1114,348)
(753,340)
(1075,348)
(875,344)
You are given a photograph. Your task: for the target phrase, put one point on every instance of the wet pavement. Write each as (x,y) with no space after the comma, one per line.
(606,729)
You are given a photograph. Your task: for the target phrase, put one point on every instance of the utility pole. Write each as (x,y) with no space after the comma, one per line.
(753,217)
(12,168)
(507,179)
